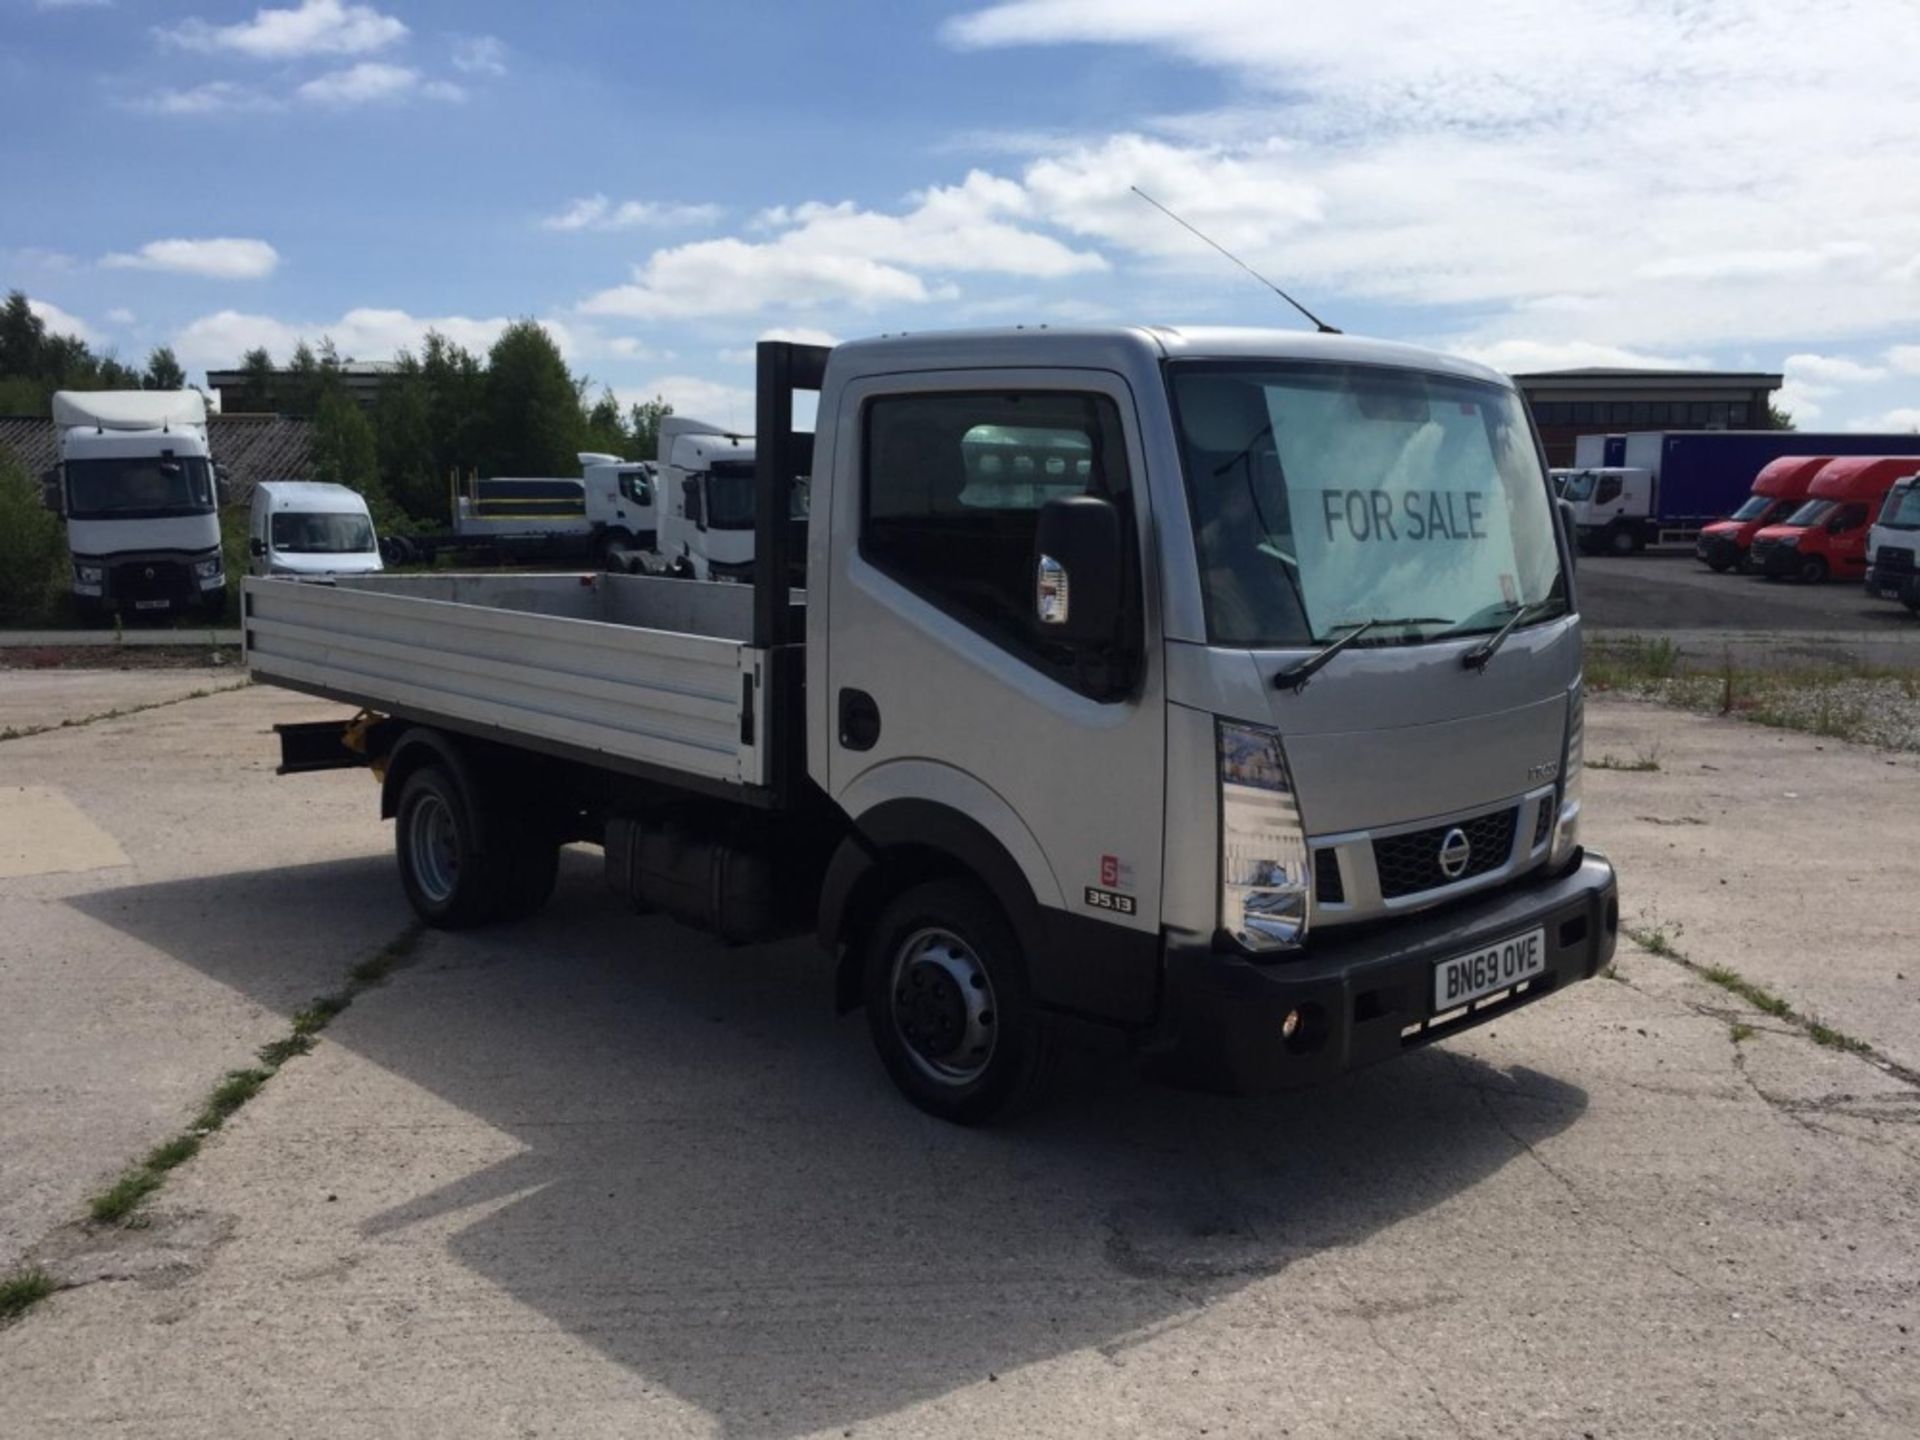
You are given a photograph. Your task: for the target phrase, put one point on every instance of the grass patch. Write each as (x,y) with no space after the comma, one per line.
(1762,999)
(276,1053)
(319,1014)
(1739,1032)
(1656,940)
(23,1290)
(172,1153)
(1836,1040)
(1635,660)
(234,1090)
(1644,762)
(390,958)
(120,1199)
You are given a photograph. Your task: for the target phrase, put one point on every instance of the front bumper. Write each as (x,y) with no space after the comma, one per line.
(1369,997)
(1895,580)
(1776,558)
(1720,550)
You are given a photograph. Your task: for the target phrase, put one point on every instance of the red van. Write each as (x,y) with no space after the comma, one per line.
(1827,535)
(1778,490)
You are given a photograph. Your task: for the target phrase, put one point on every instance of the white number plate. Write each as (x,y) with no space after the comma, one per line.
(151,604)
(1463,978)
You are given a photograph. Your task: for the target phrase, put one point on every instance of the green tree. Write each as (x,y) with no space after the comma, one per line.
(644,426)
(163,371)
(346,452)
(607,428)
(534,425)
(1778,419)
(33,553)
(23,337)
(403,429)
(300,387)
(456,402)
(257,366)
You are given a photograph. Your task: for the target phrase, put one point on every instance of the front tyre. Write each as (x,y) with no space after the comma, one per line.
(1622,540)
(1812,570)
(948,1005)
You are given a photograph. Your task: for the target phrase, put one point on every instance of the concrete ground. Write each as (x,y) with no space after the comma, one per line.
(1657,593)
(591,1175)
(32,699)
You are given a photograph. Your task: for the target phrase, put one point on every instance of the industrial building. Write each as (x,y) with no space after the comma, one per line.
(1567,404)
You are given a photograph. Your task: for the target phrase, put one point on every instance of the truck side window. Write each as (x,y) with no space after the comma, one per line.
(633,485)
(953,487)
(1609,489)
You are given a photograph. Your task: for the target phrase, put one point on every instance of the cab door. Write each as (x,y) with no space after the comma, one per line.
(944,689)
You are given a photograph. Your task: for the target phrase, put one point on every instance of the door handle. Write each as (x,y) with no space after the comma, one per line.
(859,720)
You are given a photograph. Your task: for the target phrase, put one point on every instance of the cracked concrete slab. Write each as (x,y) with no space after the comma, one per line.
(590,1175)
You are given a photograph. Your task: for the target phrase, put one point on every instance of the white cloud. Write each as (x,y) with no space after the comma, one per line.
(1523,357)
(1408,154)
(1902,419)
(1831,370)
(1904,358)
(71,4)
(693,396)
(840,255)
(365,333)
(597,212)
(213,98)
(1801,400)
(796,334)
(480,55)
(120,315)
(314,27)
(60,322)
(217,259)
(375,82)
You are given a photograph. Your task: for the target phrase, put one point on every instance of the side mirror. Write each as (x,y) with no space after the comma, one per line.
(50,489)
(256,546)
(1076,570)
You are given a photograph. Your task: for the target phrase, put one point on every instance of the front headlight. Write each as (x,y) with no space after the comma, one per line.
(1566,830)
(1265,873)
(89,574)
(208,569)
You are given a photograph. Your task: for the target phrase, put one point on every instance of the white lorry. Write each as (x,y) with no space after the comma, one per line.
(606,516)
(1251,746)
(1892,545)
(707,515)
(310,530)
(140,493)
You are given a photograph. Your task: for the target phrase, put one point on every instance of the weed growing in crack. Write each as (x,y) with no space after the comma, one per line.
(1738,1032)
(21,1291)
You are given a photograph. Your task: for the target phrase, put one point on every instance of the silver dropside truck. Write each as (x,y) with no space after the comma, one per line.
(1214,695)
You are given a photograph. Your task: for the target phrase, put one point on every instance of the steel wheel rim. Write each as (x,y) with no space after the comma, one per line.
(433,845)
(943,1007)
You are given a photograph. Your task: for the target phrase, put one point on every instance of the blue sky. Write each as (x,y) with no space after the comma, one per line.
(1631,181)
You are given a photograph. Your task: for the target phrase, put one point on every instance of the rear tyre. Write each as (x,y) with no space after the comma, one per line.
(1622,540)
(1812,570)
(452,880)
(1719,567)
(532,865)
(949,1009)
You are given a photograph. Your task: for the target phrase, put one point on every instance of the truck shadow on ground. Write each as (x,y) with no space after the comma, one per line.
(720,1191)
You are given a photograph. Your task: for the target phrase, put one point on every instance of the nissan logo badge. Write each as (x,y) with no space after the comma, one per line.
(1455,851)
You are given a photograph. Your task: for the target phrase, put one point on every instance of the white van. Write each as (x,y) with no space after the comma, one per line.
(306,529)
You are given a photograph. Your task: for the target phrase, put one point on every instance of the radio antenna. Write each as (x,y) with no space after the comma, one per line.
(1318,323)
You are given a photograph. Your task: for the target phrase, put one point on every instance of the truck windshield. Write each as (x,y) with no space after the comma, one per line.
(1753,507)
(139,487)
(1811,513)
(1577,486)
(1902,511)
(1325,496)
(730,490)
(298,534)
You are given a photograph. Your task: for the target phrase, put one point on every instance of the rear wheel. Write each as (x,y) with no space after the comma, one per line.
(616,553)
(1719,565)
(1622,540)
(464,860)
(948,1006)
(1812,570)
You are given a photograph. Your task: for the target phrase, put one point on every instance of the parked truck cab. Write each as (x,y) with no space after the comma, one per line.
(1610,504)
(1240,728)
(1778,490)
(141,496)
(1892,544)
(307,529)
(1827,536)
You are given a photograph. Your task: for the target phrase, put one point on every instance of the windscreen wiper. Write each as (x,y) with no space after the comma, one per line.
(1479,655)
(1296,675)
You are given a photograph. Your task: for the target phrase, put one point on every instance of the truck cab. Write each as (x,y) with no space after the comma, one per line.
(141,496)
(707,515)
(310,530)
(622,508)
(1892,545)
(1611,504)
(1778,490)
(1826,537)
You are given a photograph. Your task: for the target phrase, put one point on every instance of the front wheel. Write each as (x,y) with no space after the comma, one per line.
(948,1005)
(1812,571)
(1621,540)
(1719,566)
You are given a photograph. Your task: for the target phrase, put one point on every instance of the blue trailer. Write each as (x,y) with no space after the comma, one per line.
(1658,487)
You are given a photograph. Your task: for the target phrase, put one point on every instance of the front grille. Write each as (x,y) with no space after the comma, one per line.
(1328,888)
(1410,863)
(152,580)
(1893,560)
(1543,825)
